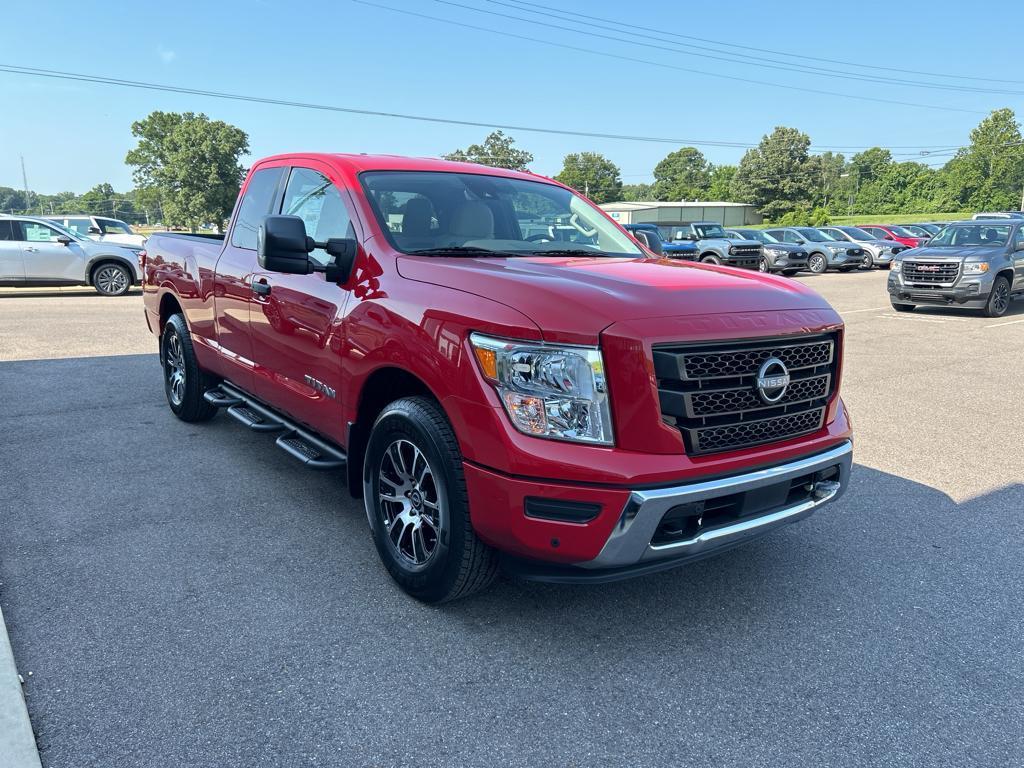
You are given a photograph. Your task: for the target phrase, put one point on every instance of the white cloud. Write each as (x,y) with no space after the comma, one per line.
(166,54)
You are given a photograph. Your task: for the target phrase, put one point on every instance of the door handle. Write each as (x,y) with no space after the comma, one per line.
(32,250)
(261,288)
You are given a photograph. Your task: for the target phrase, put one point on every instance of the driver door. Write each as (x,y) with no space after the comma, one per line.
(1017,255)
(47,259)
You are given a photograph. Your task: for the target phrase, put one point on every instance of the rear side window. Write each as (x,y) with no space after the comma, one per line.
(256,203)
(7,230)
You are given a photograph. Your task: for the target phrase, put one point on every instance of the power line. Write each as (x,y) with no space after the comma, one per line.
(663,65)
(621,28)
(802,56)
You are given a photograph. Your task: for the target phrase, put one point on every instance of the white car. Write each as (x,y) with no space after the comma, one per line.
(38,252)
(102,228)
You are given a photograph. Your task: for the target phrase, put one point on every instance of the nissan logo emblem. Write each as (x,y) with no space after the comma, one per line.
(772,380)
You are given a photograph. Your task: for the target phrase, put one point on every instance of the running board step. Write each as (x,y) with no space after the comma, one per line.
(311,450)
(254,420)
(220,398)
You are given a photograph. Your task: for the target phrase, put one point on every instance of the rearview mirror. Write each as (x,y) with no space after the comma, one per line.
(283,246)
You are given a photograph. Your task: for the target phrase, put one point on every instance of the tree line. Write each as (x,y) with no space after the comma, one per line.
(187,173)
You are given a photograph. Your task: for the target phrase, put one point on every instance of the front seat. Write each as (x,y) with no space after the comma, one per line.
(416,217)
(473,220)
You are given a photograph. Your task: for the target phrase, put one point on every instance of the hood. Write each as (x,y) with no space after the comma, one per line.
(106,248)
(130,240)
(574,299)
(787,247)
(725,242)
(980,252)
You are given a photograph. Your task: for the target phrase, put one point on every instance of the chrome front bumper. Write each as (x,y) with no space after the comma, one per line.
(631,542)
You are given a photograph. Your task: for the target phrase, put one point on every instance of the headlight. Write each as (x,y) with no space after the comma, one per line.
(548,390)
(975,267)
(837,248)
(895,266)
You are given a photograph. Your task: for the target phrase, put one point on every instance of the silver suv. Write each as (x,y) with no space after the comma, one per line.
(824,252)
(37,252)
(877,252)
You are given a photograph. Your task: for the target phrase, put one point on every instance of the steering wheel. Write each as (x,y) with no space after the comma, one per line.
(574,221)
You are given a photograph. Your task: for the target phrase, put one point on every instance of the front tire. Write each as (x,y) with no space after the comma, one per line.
(869,262)
(763,266)
(817,263)
(711,258)
(998,299)
(790,272)
(418,507)
(184,380)
(111,279)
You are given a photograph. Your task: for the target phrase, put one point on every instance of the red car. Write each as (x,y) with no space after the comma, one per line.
(893,232)
(500,371)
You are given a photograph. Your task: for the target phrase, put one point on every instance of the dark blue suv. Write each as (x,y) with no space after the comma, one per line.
(673,249)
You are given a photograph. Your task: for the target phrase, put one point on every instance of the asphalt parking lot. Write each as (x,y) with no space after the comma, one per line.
(185,595)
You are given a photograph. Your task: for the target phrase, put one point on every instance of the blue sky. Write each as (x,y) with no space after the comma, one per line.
(74,135)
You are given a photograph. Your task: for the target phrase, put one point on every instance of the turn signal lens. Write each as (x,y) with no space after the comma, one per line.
(527,412)
(488,359)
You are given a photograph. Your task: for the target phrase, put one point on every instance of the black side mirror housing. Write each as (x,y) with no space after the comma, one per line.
(282,245)
(646,239)
(95,231)
(63,239)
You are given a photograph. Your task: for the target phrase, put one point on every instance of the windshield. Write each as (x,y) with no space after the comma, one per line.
(858,234)
(114,227)
(815,236)
(707,231)
(901,232)
(916,231)
(755,234)
(974,234)
(472,214)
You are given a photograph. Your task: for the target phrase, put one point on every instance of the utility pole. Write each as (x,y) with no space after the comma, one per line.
(24,182)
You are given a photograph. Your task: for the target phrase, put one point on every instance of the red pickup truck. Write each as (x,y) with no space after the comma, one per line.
(505,376)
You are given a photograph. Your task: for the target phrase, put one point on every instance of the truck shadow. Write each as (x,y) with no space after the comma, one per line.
(83,292)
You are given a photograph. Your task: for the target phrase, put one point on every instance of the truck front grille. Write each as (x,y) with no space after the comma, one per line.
(932,272)
(709,390)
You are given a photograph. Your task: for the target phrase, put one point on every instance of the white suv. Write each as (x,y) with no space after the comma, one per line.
(102,228)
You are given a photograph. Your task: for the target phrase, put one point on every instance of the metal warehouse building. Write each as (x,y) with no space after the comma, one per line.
(668,214)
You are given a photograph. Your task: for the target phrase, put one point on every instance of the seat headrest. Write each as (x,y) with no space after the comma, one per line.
(416,217)
(473,220)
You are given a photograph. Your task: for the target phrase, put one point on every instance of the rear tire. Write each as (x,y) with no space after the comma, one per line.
(998,299)
(184,380)
(418,507)
(903,307)
(111,279)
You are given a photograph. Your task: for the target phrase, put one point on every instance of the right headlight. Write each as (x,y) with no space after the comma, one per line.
(895,266)
(548,390)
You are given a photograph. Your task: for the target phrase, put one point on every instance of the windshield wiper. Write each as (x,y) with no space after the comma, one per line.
(468,251)
(568,252)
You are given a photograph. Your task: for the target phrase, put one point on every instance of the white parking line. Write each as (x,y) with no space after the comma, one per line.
(912,319)
(1008,322)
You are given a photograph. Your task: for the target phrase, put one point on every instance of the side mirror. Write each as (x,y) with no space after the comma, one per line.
(95,231)
(652,244)
(283,246)
(889,237)
(1020,247)
(63,239)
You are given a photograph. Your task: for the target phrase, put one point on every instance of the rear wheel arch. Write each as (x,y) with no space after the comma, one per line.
(169,305)
(381,388)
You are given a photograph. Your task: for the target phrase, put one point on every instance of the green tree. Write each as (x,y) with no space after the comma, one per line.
(682,175)
(497,151)
(593,174)
(988,174)
(778,175)
(871,164)
(637,192)
(720,187)
(190,164)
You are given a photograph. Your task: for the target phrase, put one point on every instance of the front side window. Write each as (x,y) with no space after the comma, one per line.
(255,204)
(436,212)
(901,232)
(858,234)
(78,226)
(114,227)
(315,200)
(1018,240)
(34,232)
(814,235)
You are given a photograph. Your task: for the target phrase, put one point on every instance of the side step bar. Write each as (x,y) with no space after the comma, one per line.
(311,450)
